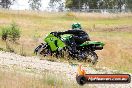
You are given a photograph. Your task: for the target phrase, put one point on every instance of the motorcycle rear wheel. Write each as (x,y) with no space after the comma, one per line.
(92,57)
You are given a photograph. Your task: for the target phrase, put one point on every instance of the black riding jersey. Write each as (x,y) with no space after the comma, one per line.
(80,36)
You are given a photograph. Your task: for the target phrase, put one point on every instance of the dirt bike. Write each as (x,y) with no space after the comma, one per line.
(55,45)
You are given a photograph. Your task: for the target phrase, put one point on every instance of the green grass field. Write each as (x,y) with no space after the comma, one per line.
(115,30)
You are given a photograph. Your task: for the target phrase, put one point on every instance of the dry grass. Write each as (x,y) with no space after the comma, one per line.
(117,51)
(113,29)
(20,80)
(14,80)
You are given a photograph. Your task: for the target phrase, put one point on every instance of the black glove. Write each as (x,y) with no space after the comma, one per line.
(54,33)
(59,33)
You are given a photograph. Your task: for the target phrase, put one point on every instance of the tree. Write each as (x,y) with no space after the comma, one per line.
(69,4)
(108,4)
(98,4)
(93,4)
(129,4)
(120,3)
(78,4)
(61,7)
(6,3)
(35,4)
(73,4)
(54,3)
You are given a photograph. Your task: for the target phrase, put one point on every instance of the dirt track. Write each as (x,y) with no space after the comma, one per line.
(13,61)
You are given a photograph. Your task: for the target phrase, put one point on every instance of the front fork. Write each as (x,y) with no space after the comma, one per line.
(39,48)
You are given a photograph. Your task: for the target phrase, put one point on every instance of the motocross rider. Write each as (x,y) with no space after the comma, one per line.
(79,37)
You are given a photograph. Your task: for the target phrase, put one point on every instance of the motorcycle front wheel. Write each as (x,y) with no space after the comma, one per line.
(42,49)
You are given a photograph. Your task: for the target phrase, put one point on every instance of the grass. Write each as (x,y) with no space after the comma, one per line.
(14,80)
(19,80)
(113,29)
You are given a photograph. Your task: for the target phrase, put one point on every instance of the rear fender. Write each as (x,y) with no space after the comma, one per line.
(95,45)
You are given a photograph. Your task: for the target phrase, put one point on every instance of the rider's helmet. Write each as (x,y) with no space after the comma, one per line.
(76,26)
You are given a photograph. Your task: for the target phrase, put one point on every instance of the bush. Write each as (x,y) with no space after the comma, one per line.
(4,33)
(70,14)
(14,32)
(11,32)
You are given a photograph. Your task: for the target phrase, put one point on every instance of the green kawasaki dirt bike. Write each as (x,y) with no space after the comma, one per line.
(55,45)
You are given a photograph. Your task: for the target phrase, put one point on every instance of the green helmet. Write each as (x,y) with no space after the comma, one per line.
(76,26)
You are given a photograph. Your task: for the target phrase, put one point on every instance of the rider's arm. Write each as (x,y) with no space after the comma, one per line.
(71,32)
